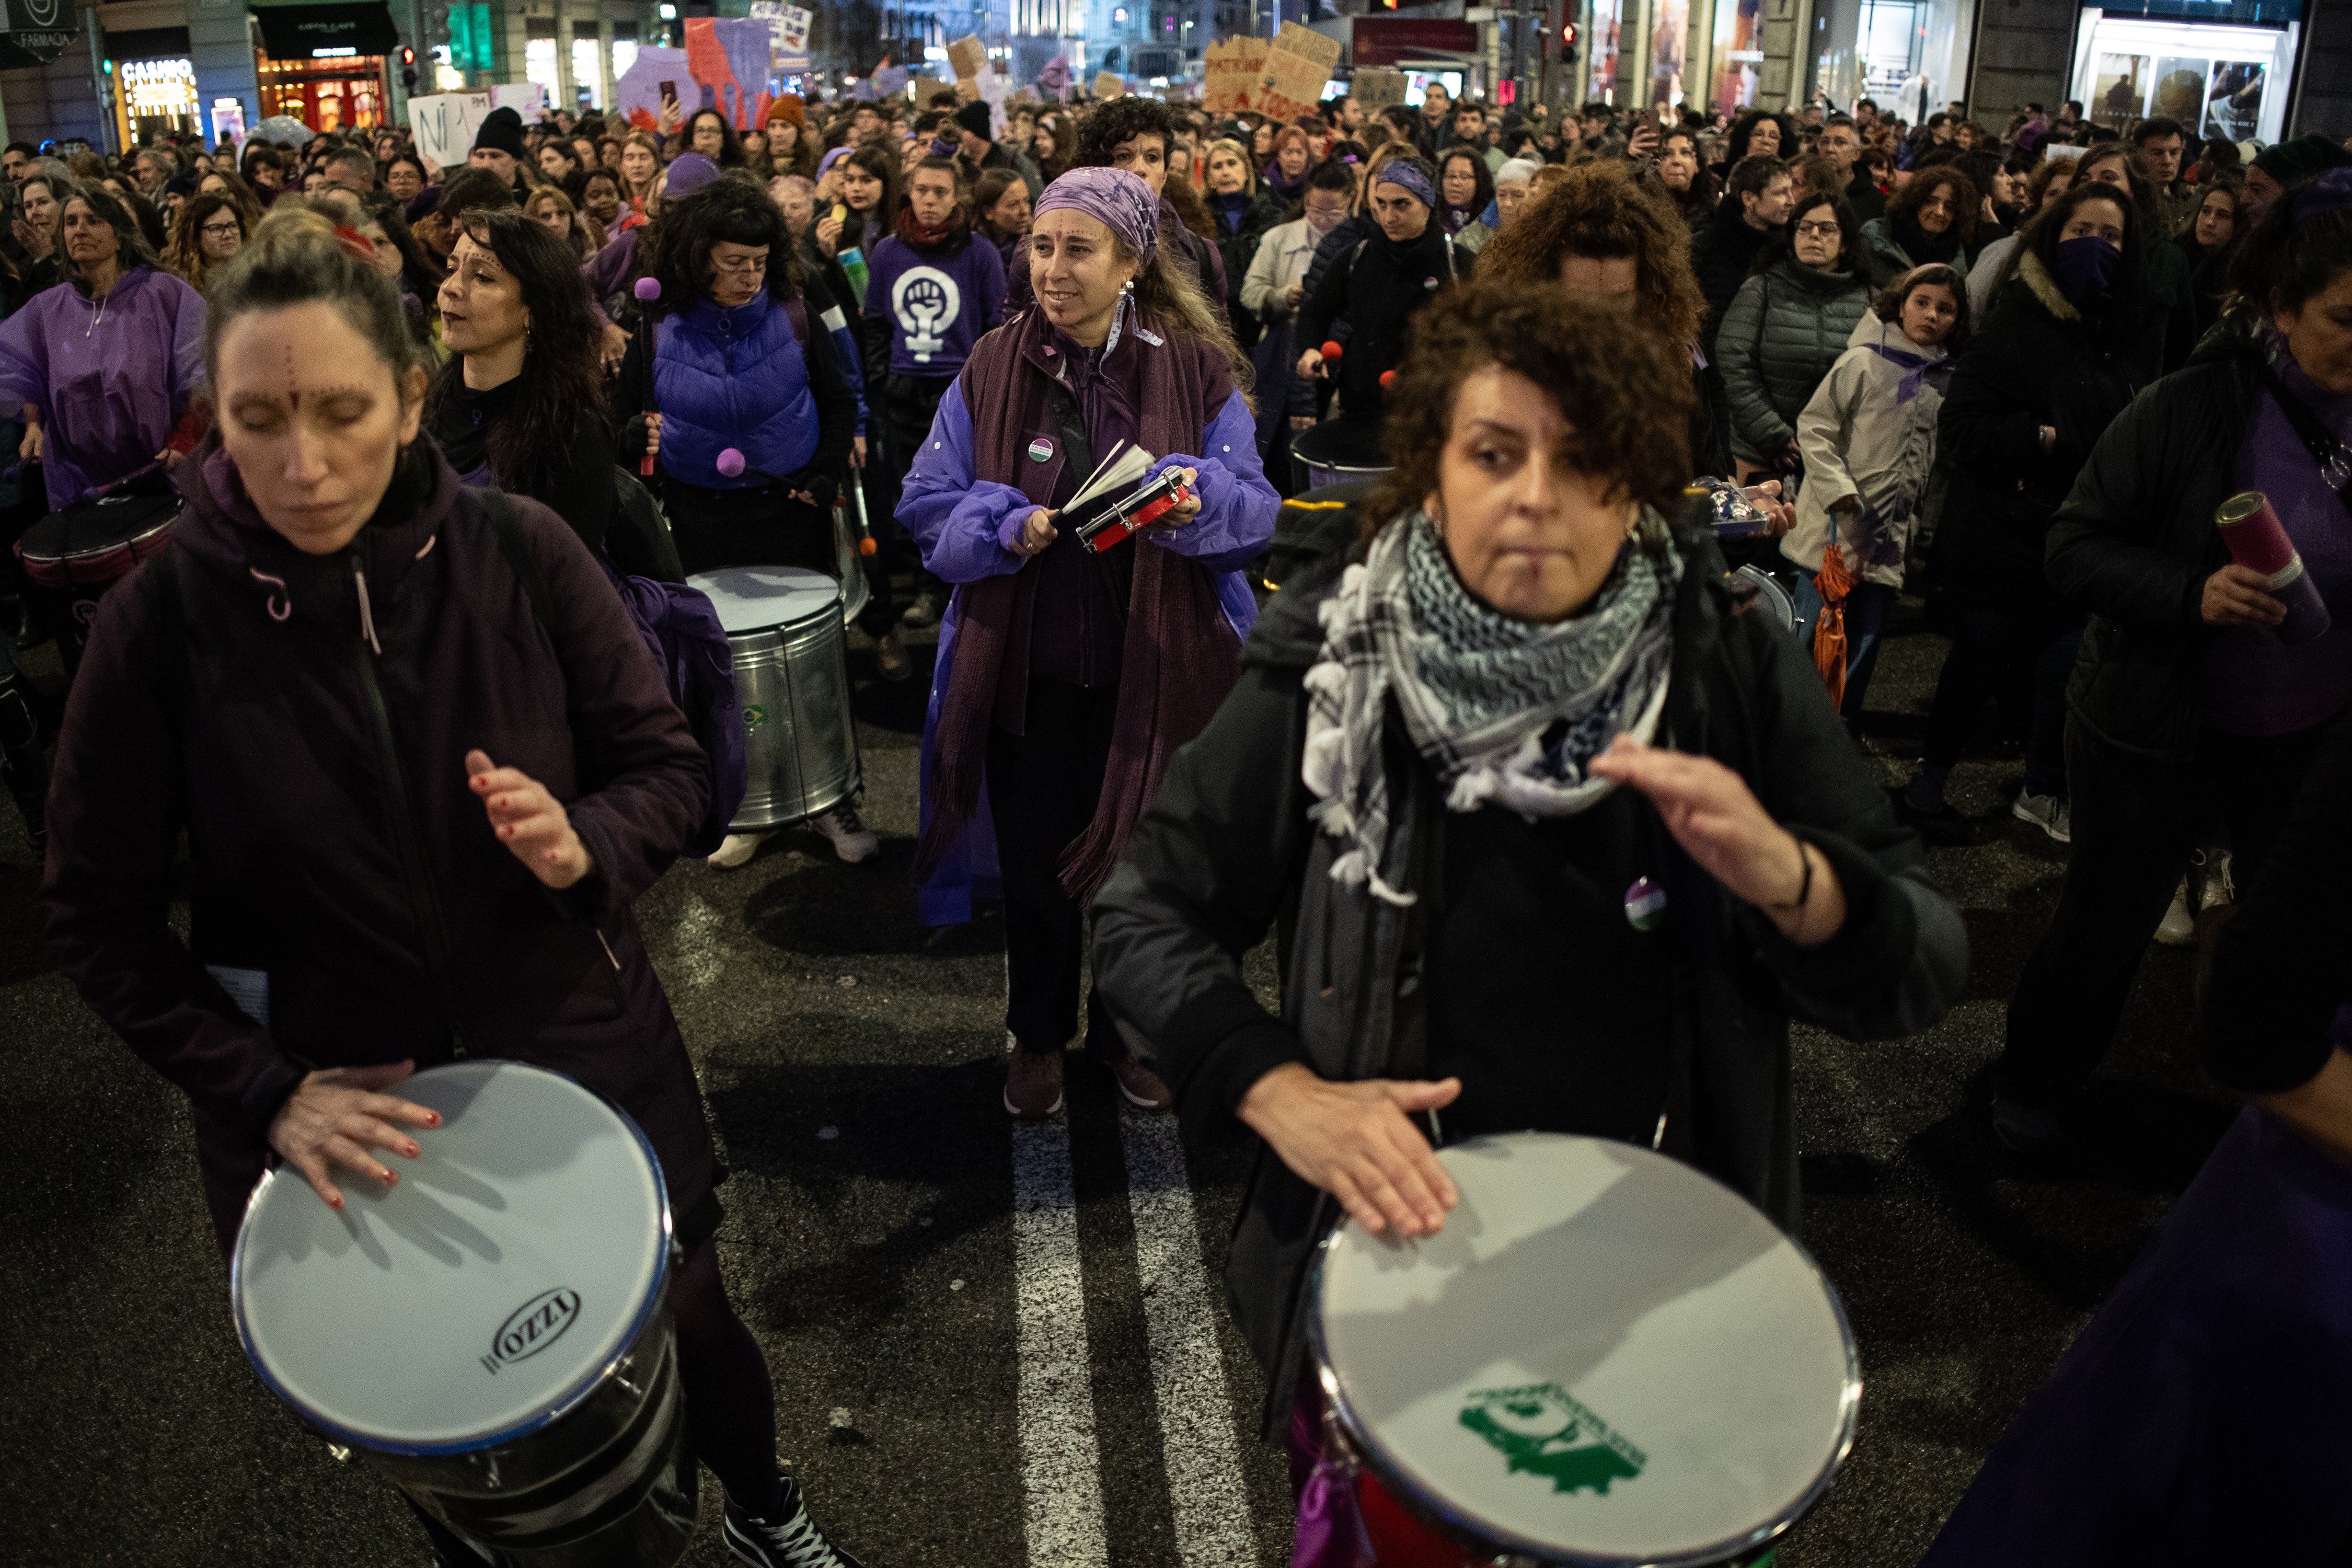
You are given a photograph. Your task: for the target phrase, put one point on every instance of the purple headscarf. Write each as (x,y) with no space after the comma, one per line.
(1122,200)
(1410,174)
(835,155)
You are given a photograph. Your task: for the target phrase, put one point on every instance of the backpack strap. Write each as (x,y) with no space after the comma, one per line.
(526,565)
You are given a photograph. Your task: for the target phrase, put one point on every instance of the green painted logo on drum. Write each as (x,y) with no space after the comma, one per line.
(1543,1429)
(754,716)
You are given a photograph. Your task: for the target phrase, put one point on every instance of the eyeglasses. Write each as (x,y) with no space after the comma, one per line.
(750,267)
(221,231)
(1819,230)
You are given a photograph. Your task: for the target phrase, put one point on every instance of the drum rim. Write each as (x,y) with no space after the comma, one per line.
(570,1399)
(126,543)
(1436,1512)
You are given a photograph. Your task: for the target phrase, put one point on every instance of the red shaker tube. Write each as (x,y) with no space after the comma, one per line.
(1145,506)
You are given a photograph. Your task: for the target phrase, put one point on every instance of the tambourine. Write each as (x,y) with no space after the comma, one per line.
(1152,500)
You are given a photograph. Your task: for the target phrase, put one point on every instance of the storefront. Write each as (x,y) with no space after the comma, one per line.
(155,85)
(325,65)
(2221,68)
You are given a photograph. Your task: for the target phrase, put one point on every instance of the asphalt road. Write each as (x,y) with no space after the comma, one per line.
(933,1287)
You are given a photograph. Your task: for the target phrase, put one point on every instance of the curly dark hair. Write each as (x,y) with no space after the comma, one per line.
(1105,125)
(1966,200)
(1888,305)
(730,210)
(562,374)
(1743,131)
(1600,212)
(1625,390)
(731,146)
(1486,181)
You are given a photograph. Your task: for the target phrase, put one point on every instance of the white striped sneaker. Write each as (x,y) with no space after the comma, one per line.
(793,1540)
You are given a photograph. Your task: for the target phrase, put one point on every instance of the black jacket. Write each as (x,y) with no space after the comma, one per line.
(2134,541)
(1237,247)
(1720,257)
(1865,197)
(1376,288)
(2037,362)
(2278,969)
(1227,851)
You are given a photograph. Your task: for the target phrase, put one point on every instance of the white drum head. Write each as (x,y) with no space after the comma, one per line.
(1604,1357)
(754,599)
(479,1298)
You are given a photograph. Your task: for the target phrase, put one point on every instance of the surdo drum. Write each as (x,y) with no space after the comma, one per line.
(493,1333)
(77,554)
(1604,1359)
(784,625)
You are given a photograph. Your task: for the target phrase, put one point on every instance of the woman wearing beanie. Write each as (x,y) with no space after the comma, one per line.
(1375,292)
(1067,678)
(499,147)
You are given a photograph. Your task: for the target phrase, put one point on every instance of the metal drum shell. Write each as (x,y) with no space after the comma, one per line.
(800,741)
(1770,597)
(1356,1447)
(553,1495)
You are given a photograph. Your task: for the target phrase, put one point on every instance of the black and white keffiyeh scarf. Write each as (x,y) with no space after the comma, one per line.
(1502,710)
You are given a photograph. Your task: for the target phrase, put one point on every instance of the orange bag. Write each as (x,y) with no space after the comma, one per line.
(1832,582)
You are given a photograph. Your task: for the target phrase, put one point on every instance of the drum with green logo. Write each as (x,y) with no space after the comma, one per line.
(1604,1358)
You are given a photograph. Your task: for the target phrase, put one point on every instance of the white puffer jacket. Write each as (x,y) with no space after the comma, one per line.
(1861,437)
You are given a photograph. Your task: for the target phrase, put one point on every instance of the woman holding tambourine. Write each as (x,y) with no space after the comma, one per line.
(1067,675)
(1557,835)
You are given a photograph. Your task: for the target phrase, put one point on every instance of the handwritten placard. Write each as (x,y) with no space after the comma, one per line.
(444,125)
(1375,87)
(1229,72)
(968,56)
(1297,68)
(1109,86)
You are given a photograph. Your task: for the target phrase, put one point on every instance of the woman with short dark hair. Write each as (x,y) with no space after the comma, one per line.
(1449,775)
(1931,219)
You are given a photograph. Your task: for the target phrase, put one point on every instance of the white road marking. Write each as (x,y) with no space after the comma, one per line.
(1188,1374)
(1061,1480)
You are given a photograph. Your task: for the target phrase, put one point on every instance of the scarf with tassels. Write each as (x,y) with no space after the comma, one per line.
(1502,710)
(1180,655)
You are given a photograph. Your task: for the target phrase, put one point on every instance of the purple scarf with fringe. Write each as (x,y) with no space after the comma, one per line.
(1180,658)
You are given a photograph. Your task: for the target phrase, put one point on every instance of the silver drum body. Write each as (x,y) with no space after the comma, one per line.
(493,1333)
(784,625)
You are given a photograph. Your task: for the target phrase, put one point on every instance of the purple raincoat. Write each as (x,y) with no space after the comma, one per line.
(109,378)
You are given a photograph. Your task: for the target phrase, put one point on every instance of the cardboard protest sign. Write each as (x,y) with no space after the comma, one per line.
(1229,73)
(1297,69)
(1109,86)
(1375,87)
(968,56)
(444,125)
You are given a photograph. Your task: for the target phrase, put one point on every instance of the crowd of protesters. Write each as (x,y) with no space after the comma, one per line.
(2006,371)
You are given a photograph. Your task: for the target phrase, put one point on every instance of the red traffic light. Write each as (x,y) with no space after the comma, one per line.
(1568,34)
(408,56)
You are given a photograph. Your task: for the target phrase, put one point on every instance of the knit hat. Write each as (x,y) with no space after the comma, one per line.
(2302,158)
(788,108)
(688,173)
(835,155)
(501,131)
(973,117)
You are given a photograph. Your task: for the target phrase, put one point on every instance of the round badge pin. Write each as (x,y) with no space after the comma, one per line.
(1041,450)
(1645,905)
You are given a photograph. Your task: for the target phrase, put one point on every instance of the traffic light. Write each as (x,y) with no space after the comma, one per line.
(1568,43)
(436,25)
(407,68)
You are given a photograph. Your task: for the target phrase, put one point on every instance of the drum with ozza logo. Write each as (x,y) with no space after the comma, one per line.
(1604,1358)
(492,1333)
(74,556)
(784,625)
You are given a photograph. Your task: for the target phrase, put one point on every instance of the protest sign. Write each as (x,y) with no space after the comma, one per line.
(1297,68)
(1229,73)
(444,125)
(968,56)
(1109,86)
(1375,87)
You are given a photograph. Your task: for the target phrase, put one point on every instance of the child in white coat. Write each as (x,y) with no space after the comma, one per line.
(1868,436)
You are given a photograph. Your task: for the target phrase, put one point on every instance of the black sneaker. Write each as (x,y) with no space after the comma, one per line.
(789,1541)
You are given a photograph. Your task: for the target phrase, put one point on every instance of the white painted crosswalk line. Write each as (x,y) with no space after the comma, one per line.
(1188,1376)
(1060,1468)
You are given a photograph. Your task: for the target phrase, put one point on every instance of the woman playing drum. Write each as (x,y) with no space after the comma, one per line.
(1555,835)
(432,768)
(1067,678)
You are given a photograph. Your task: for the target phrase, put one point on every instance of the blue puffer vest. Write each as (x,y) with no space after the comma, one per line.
(733,378)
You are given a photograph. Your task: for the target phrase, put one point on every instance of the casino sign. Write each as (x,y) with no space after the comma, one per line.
(37,31)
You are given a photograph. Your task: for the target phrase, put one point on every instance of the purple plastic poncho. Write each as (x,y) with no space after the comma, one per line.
(109,378)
